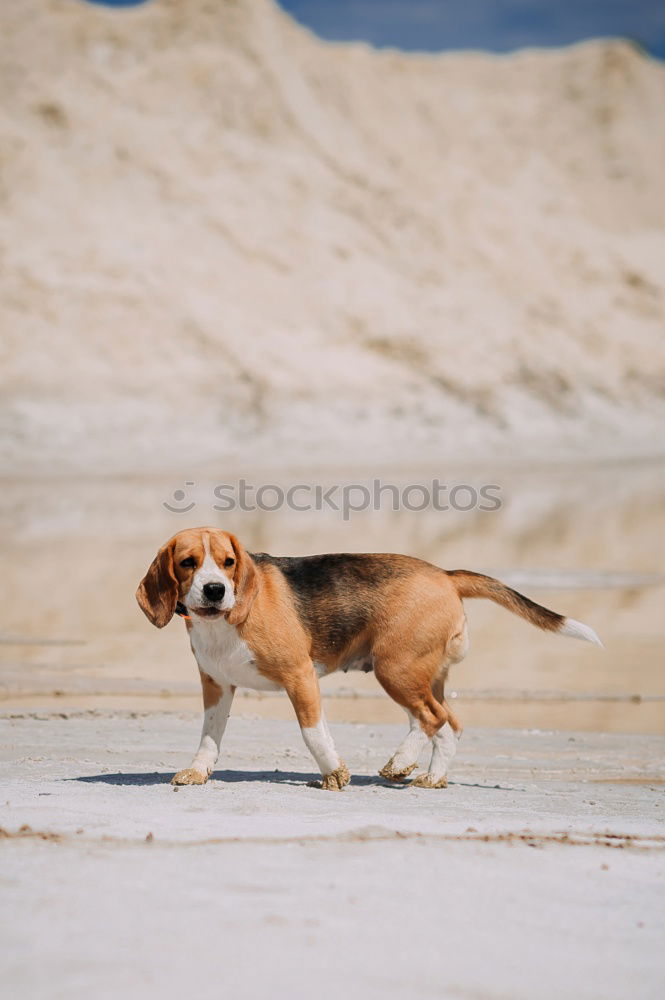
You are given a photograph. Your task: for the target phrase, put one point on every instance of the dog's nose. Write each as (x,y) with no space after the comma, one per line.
(213,591)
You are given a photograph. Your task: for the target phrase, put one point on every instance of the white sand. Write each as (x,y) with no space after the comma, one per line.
(224,240)
(539,873)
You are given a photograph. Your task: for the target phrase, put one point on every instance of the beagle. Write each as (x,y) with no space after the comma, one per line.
(280,623)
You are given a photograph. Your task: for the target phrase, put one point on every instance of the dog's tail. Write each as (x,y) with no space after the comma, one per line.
(477,585)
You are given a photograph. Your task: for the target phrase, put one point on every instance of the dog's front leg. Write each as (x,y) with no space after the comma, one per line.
(217,703)
(303,690)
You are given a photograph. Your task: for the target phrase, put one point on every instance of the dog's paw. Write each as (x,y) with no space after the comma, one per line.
(189,777)
(390,773)
(335,781)
(426,781)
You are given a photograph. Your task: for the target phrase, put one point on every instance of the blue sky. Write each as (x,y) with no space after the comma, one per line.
(498,25)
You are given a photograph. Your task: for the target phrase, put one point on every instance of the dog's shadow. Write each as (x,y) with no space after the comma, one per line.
(296,778)
(227,777)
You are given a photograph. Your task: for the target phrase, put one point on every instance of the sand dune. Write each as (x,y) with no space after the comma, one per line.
(225,240)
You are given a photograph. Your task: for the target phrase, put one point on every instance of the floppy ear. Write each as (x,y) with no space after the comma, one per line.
(246,584)
(158,590)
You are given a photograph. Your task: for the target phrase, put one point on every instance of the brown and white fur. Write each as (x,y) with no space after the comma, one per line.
(280,623)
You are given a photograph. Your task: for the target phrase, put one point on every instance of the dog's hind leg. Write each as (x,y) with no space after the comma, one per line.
(410,684)
(418,686)
(444,743)
(444,747)
(405,758)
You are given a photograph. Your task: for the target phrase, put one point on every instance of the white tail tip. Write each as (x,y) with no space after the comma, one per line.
(577,630)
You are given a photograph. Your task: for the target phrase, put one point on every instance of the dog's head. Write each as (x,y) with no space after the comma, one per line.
(207,570)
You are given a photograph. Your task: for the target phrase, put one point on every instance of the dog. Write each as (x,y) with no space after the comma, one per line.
(280,623)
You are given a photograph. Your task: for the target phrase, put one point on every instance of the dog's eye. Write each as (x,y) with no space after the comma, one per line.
(188,563)
(229,561)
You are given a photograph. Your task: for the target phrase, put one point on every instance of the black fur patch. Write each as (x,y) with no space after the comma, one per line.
(337,593)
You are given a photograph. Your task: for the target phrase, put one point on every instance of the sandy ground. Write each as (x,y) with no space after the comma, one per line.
(538,873)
